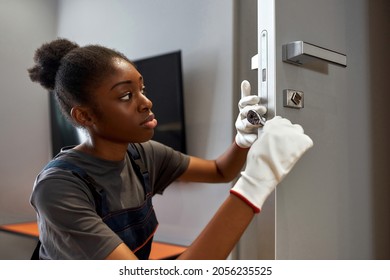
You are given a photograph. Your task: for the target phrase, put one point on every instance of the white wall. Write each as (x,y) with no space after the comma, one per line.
(24,122)
(203,31)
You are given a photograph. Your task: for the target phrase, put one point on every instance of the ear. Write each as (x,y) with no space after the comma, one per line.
(82,115)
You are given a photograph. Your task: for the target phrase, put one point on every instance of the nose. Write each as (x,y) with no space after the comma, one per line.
(144,103)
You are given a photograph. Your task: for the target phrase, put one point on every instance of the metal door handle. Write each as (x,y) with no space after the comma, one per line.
(300,52)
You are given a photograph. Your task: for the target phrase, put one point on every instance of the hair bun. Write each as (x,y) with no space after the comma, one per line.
(47,60)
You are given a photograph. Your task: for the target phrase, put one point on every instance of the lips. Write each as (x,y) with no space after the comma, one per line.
(149,122)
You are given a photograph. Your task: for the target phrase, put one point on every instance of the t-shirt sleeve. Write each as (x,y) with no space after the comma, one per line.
(164,164)
(67,209)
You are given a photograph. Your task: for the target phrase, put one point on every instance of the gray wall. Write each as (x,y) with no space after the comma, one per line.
(202,30)
(24,122)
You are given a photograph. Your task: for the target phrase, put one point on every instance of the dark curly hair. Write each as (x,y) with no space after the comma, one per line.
(72,72)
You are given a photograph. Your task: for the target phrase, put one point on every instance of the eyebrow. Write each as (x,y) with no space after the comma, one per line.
(125,82)
(120,83)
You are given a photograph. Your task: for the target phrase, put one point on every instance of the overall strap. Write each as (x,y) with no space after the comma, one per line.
(140,168)
(100,197)
(79,172)
(90,182)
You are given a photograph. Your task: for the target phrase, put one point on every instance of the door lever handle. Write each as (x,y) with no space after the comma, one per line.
(300,52)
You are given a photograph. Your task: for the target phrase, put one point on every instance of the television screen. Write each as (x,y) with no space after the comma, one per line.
(163,80)
(164,87)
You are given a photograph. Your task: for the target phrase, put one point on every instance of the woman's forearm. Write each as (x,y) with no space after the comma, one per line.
(230,163)
(224,169)
(222,233)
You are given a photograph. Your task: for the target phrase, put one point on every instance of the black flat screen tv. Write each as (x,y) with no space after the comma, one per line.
(164,87)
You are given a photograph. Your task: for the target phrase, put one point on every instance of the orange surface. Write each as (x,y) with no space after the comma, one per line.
(159,250)
(163,250)
(25,228)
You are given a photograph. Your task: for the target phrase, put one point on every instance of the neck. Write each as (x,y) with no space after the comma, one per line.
(104,149)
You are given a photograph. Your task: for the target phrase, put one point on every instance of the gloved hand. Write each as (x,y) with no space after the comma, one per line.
(270,159)
(247,132)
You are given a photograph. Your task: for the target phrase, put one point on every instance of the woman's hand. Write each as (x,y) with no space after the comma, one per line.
(247,133)
(270,159)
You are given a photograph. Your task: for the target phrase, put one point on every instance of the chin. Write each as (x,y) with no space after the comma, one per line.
(144,138)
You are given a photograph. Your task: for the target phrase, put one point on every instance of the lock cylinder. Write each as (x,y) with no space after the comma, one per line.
(255,118)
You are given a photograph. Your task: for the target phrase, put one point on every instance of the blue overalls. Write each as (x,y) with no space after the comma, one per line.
(135,226)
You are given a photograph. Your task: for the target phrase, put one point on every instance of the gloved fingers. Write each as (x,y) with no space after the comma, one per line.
(277,123)
(246,97)
(244,126)
(261,110)
(281,148)
(251,127)
(245,140)
(300,144)
(245,88)
(308,143)
(248,100)
(298,128)
(285,134)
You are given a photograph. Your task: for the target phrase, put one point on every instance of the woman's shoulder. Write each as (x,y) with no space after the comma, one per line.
(61,177)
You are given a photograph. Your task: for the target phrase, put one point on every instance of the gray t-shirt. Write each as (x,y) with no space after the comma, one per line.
(68,223)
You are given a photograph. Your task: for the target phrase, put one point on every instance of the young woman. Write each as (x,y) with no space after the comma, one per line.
(93,201)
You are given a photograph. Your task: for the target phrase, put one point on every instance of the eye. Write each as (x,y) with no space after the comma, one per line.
(127,96)
(143,90)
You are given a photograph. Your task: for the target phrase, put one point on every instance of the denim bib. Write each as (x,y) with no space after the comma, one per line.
(135,226)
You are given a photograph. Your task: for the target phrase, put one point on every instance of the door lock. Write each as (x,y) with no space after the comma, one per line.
(255,118)
(293,98)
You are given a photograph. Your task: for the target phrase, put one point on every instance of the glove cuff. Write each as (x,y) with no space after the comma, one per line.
(255,209)
(253,192)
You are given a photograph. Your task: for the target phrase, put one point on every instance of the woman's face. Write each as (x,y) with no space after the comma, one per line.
(124,111)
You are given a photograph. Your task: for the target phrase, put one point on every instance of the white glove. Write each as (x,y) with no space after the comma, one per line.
(247,132)
(270,159)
